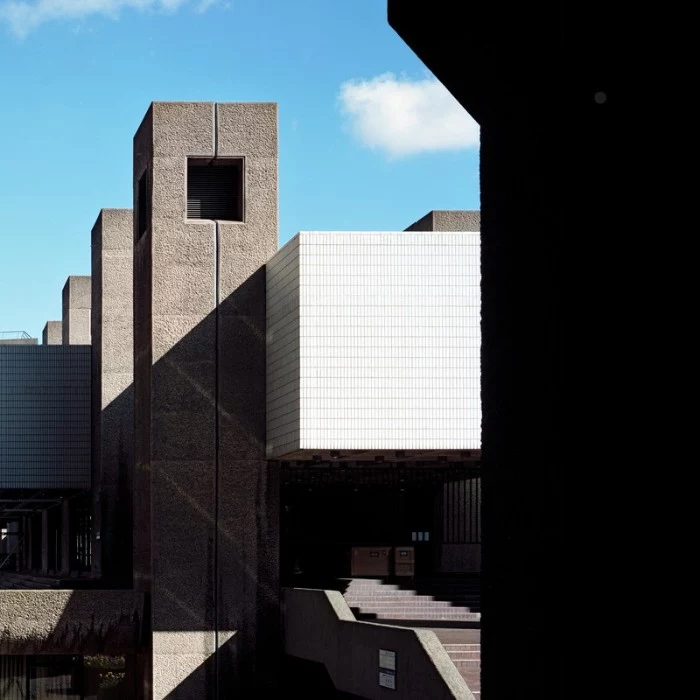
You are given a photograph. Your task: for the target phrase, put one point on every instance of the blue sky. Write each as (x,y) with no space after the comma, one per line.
(368,140)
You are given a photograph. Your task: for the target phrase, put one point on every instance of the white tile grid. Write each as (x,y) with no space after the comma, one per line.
(283,349)
(389,341)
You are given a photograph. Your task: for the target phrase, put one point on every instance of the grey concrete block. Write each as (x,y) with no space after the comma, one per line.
(448,220)
(112,404)
(70,622)
(77,304)
(52,333)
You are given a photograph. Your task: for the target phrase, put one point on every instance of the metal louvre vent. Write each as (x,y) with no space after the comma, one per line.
(215,190)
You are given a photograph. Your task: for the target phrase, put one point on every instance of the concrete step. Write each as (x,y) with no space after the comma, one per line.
(424,613)
(432,616)
(420,602)
(462,647)
(459,637)
(464,655)
(384,594)
(467,663)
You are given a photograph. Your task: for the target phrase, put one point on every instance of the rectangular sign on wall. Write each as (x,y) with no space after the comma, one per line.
(387,659)
(387,669)
(387,679)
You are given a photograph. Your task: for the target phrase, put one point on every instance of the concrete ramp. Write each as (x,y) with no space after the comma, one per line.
(319,626)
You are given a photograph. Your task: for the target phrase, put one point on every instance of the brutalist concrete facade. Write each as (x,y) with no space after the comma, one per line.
(52,333)
(77,301)
(112,394)
(205,503)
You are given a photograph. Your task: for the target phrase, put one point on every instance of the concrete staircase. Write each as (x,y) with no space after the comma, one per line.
(372,599)
(464,648)
(448,606)
(13,580)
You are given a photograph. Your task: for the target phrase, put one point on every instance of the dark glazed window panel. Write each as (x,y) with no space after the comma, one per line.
(45,416)
(144,209)
(215,189)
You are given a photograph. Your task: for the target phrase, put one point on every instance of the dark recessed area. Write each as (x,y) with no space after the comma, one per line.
(215,189)
(143,207)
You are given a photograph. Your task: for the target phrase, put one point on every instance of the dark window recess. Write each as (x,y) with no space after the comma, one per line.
(215,190)
(144,208)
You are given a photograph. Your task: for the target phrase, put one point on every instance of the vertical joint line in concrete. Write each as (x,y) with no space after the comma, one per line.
(216,129)
(216,429)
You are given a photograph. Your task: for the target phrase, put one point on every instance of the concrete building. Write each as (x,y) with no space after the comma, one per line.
(52,333)
(77,299)
(264,426)
(112,314)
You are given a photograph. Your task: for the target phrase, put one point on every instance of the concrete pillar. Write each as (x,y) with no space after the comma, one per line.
(205,506)
(65,538)
(77,293)
(27,544)
(44,541)
(112,394)
(52,333)
(13,532)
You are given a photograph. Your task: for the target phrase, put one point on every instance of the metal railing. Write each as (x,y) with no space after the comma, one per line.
(15,335)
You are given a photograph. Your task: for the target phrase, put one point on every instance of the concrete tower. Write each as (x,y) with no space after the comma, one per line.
(205,501)
(77,295)
(112,394)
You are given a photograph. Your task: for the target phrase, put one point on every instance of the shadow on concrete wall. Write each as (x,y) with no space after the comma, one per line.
(70,622)
(211,502)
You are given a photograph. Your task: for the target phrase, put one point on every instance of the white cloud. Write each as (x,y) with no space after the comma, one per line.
(404,117)
(23,16)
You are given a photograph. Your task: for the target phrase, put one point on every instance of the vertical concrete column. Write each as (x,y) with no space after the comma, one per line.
(204,507)
(112,394)
(77,300)
(248,491)
(13,532)
(175,401)
(27,544)
(65,538)
(44,541)
(52,333)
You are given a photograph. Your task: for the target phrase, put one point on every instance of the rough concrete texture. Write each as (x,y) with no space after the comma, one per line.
(52,333)
(112,394)
(201,475)
(77,303)
(248,546)
(70,622)
(19,341)
(319,626)
(448,220)
(142,367)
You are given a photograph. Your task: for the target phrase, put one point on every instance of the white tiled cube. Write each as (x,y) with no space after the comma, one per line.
(373,342)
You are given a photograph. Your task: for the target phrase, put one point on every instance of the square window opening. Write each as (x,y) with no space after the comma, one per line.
(215,189)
